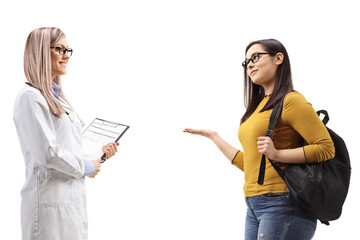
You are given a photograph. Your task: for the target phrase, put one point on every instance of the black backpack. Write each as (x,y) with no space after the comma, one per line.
(320,188)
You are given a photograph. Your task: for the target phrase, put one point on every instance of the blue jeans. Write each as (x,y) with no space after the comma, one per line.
(277,216)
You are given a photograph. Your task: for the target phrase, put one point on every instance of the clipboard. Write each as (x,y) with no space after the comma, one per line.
(99,133)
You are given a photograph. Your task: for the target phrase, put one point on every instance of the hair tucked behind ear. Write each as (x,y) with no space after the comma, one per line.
(253,94)
(37,64)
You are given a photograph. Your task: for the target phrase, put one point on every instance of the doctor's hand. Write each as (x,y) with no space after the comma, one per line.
(110,149)
(266,146)
(97,166)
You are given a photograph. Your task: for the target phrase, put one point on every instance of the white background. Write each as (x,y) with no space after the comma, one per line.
(161,66)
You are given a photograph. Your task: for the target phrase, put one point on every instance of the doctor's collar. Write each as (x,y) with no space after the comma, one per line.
(30,84)
(56,89)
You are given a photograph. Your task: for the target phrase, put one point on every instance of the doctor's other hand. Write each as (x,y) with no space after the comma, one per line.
(206,133)
(97,166)
(110,149)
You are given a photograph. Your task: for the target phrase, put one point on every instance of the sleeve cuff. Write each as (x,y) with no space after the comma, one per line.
(89,167)
(232,161)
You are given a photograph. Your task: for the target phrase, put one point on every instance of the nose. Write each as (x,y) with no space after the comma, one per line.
(66,56)
(250,65)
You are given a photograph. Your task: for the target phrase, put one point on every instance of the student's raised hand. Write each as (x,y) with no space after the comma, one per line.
(206,133)
(110,149)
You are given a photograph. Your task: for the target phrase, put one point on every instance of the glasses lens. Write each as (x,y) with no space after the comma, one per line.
(62,50)
(244,64)
(255,58)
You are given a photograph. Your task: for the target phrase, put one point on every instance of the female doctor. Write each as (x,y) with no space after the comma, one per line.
(53,197)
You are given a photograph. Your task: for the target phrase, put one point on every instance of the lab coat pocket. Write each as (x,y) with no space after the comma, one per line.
(55,189)
(59,222)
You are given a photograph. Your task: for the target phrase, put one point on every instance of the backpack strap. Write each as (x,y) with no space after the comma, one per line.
(326,116)
(274,117)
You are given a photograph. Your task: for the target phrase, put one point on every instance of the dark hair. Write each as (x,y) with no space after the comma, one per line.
(254,94)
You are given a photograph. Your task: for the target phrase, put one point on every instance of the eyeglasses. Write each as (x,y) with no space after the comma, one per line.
(254,58)
(63,50)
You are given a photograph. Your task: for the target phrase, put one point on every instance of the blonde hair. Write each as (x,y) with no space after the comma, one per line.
(37,64)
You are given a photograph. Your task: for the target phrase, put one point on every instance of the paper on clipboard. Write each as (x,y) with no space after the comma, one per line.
(99,133)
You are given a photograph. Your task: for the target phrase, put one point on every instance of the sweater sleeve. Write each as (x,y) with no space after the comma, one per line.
(301,116)
(238,160)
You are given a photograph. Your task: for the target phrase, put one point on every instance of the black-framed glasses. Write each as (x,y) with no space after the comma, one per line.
(63,50)
(254,58)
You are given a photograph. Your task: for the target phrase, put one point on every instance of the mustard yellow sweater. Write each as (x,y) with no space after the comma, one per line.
(297,119)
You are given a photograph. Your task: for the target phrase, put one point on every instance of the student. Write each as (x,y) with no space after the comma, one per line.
(53,197)
(272,212)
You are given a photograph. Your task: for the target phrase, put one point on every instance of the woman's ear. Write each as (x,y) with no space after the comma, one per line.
(279,58)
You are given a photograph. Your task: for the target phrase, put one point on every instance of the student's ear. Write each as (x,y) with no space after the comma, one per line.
(279,58)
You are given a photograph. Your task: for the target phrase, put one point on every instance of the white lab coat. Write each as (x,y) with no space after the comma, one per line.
(53,203)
